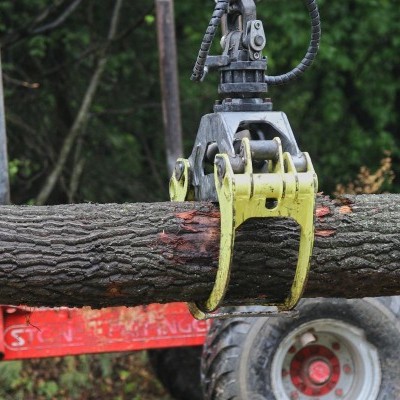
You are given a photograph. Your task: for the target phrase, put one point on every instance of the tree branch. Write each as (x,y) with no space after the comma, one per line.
(18,82)
(26,31)
(95,48)
(59,20)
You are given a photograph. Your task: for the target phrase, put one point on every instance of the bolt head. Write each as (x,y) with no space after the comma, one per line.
(259,40)
(179,169)
(242,154)
(221,168)
(256,56)
(223,41)
(257,25)
(347,369)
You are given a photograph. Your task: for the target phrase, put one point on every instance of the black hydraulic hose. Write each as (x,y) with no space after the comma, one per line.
(220,9)
(311,51)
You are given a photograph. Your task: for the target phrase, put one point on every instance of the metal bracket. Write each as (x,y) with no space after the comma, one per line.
(179,189)
(262,311)
(281,192)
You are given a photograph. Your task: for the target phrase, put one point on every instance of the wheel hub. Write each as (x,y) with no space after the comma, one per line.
(319,372)
(315,370)
(325,359)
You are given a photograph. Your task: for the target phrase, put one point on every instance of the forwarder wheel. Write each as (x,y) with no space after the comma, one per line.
(178,369)
(336,349)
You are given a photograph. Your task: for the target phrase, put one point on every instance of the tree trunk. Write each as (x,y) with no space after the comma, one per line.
(131,254)
(4,178)
(169,81)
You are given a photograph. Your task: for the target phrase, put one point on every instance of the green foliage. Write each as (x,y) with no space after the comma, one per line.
(38,46)
(349,117)
(87,377)
(343,111)
(46,77)
(150,19)
(9,373)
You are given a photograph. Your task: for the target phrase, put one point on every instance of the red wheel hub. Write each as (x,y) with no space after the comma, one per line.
(319,372)
(315,370)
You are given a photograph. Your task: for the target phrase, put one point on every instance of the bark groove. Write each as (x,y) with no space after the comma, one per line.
(131,254)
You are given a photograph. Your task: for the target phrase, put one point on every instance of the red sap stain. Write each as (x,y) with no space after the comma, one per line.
(325,233)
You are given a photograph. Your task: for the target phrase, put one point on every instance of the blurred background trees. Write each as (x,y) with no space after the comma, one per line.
(344,111)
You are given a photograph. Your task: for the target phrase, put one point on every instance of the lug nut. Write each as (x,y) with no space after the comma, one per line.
(339,392)
(347,369)
(336,346)
(294,396)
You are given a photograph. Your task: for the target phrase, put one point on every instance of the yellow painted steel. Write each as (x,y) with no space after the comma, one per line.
(179,188)
(281,192)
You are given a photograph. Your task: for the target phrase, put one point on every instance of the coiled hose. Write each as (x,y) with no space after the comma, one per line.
(311,51)
(220,9)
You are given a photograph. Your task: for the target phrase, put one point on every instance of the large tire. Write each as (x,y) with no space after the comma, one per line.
(178,369)
(336,349)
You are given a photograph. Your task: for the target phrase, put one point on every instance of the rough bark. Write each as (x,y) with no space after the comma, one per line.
(131,254)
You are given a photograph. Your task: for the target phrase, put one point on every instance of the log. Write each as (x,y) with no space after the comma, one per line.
(136,254)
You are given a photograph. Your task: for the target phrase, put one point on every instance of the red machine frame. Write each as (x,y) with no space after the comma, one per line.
(42,332)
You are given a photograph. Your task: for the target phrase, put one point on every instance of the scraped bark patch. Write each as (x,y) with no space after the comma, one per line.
(321,212)
(195,236)
(345,210)
(325,233)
